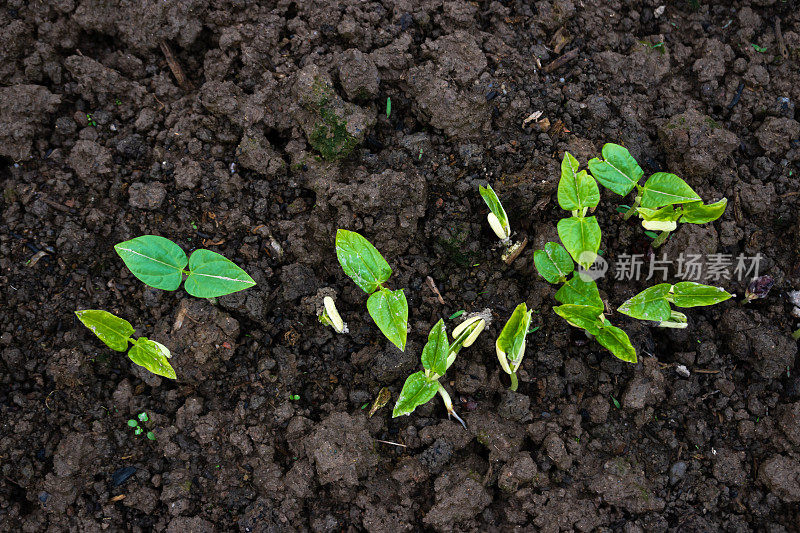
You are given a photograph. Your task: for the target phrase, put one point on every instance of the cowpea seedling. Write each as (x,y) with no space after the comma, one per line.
(369,270)
(498,220)
(654,302)
(619,172)
(117,333)
(160,263)
(437,356)
(510,345)
(329,316)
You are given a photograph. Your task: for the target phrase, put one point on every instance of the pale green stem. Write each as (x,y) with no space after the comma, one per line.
(661,239)
(629,213)
(448,403)
(514,382)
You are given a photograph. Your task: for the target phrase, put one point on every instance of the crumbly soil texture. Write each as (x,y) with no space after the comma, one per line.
(256,129)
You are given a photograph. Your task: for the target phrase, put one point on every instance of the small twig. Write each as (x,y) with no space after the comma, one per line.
(392,443)
(779,37)
(175,67)
(561,61)
(704,371)
(737,95)
(432,286)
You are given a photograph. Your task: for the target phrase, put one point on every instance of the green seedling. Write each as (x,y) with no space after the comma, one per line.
(369,270)
(116,333)
(388,106)
(654,302)
(655,201)
(137,429)
(294,397)
(437,356)
(510,345)
(161,264)
(498,221)
(329,315)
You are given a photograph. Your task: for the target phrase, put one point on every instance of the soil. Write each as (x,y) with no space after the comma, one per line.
(257,129)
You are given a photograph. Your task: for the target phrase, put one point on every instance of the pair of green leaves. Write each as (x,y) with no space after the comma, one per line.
(692,213)
(499,223)
(160,263)
(578,192)
(362,262)
(583,308)
(654,302)
(420,387)
(116,333)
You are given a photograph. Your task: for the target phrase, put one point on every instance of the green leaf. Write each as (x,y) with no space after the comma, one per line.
(576,190)
(434,355)
(389,310)
(155,261)
(580,292)
(152,355)
(691,294)
(553,263)
(581,237)
(512,338)
(361,261)
(619,172)
(617,342)
(663,188)
(112,330)
(495,206)
(665,213)
(212,275)
(581,316)
(700,213)
(417,390)
(650,304)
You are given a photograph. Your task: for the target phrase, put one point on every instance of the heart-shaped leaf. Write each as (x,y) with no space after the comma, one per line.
(580,292)
(361,261)
(619,172)
(700,213)
(663,188)
(156,261)
(112,330)
(650,304)
(417,390)
(495,206)
(576,190)
(436,350)
(389,310)
(152,355)
(691,294)
(553,263)
(212,275)
(581,316)
(617,342)
(581,237)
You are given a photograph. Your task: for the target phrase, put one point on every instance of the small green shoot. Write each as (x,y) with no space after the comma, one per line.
(294,397)
(388,106)
(510,345)
(759,49)
(616,403)
(498,220)
(116,333)
(137,429)
(654,302)
(456,314)
(329,315)
(369,270)
(90,120)
(160,263)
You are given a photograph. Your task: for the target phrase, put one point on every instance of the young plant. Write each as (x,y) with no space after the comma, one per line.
(369,270)
(437,356)
(498,221)
(116,333)
(329,315)
(578,192)
(655,202)
(161,264)
(510,345)
(654,302)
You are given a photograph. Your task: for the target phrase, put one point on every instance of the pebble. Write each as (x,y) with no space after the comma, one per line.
(676,472)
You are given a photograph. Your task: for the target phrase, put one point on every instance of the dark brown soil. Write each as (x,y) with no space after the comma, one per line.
(103,139)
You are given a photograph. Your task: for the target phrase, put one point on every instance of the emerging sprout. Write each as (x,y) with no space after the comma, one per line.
(654,303)
(498,220)
(759,288)
(510,345)
(366,266)
(329,315)
(116,333)
(161,264)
